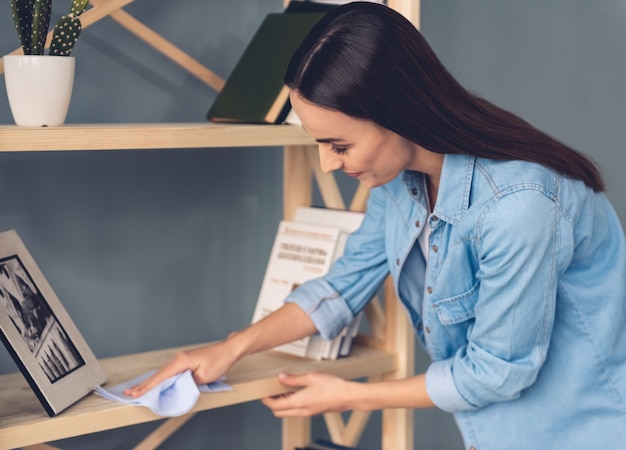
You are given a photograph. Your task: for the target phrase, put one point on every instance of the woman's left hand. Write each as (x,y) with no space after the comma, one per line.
(315,393)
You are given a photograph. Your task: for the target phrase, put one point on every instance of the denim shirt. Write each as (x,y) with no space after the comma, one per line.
(521,307)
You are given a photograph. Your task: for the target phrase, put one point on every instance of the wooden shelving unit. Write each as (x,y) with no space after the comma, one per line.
(23,422)
(386,353)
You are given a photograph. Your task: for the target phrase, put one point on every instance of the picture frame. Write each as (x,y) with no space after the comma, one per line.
(39,333)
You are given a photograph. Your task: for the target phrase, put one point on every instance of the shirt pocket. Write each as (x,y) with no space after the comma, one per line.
(456,314)
(457,308)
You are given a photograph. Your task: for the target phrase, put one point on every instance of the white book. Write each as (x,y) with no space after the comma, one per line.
(348,222)
(304,249)
(292,118)
(353,330)
(318,347)
(301,252)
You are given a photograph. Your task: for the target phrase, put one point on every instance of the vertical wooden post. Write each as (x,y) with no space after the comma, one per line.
(297,180)
(296,432)
(297,183)
(399,339)
(326,182)
(408,8)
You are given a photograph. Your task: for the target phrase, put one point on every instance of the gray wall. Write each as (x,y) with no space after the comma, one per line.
(151,249)
(560,64)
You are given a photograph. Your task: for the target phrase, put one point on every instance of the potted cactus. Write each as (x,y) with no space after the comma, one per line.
(39,86)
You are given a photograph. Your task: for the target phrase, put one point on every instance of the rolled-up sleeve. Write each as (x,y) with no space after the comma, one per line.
(326,308)
(333,300)
(442,389)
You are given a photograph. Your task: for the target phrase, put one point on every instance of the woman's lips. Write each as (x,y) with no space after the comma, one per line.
(353,174)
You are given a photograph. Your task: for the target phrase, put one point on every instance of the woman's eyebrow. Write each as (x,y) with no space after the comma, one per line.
(325,140)
(329,140)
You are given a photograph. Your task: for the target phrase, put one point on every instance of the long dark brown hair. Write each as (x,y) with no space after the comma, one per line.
(367,61)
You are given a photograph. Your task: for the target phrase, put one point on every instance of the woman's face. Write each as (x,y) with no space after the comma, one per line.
(360,148)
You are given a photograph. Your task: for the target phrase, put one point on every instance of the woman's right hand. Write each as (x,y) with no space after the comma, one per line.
(206,363)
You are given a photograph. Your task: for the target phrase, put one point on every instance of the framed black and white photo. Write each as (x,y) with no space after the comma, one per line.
(39,334)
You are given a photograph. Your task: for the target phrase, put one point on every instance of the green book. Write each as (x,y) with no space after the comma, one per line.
(254,92)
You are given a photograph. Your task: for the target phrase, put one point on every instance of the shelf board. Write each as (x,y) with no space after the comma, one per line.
(148,136)
(24,422)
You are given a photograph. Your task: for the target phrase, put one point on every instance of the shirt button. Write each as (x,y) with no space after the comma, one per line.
(414,191)
(427,330)
(435,248)
(429,290)
(417,224)
(398,262)
(420,326)
(435,218)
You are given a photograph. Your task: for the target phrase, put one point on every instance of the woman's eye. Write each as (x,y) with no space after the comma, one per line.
(339,150)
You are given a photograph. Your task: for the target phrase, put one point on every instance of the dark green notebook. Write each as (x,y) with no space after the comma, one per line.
(254,92)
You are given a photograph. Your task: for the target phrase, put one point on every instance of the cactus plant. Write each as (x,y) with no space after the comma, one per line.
(32,19)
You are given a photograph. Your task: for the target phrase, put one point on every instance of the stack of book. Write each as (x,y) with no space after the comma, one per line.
(303,249)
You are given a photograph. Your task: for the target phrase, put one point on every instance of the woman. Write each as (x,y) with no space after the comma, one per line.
(503,248)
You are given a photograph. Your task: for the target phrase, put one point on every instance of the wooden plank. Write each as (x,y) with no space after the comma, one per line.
(398,423)
(297,191)
(88,18)
(359,201)
(40,447)
(162,45)
(112,8)
(296,180)
(326,182)
(375,315)
(23,420)
(148,136)
(349,433)
(355,427)
(408,8)
(296,432)
(164,431)
(335,426)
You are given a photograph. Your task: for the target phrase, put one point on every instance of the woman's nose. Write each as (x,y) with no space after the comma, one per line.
(329,160)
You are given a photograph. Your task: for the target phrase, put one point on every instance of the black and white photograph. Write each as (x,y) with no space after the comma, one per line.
(39,334)
(29,311)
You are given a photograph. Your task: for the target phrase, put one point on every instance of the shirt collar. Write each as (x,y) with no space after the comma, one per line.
(454,187)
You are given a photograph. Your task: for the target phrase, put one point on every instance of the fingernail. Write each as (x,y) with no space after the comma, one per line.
(282,375)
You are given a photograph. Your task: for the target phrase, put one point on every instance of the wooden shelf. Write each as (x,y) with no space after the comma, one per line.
(148,136)
(24,422)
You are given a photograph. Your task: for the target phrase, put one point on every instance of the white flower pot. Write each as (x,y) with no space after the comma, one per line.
(39,88)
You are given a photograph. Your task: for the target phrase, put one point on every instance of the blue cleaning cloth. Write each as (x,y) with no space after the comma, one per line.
(172,397)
